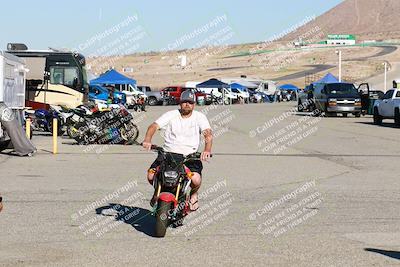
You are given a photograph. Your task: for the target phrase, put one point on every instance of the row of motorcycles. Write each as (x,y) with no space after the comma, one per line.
(88,124)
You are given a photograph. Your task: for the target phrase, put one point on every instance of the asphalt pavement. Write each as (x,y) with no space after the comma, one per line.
(283,189)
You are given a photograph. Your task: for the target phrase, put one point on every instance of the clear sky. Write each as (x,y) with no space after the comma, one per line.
(89,26)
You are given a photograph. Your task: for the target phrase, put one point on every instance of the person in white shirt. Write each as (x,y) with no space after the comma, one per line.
(182,135)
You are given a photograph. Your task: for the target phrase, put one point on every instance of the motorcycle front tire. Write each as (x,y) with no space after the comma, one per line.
(162,220)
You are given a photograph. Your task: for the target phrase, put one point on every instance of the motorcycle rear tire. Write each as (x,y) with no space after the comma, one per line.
(129,133)
(162,220)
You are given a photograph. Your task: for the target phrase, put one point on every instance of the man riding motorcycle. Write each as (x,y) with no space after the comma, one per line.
(182,136)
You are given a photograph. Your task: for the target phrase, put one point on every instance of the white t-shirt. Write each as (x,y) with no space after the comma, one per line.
(182,135)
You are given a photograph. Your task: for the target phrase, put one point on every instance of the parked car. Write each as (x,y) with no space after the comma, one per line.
(97,92)
(153,97)
(332,98)
(388,107)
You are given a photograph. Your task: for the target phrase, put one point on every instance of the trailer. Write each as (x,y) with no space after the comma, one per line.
(12,105)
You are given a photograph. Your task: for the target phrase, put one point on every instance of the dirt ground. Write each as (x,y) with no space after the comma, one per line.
(162,69)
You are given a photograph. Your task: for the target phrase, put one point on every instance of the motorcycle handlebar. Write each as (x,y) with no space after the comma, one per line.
(195,155)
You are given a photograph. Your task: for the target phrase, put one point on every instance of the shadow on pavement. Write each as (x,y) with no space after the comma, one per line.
(141,219)
(388,253)
(387,125)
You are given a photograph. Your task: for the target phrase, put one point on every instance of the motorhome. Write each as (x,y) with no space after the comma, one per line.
(54,77)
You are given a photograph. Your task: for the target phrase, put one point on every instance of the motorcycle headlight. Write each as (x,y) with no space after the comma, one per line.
(119,96)
(171,174)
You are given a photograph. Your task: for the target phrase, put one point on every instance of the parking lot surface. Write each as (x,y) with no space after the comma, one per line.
(282,189)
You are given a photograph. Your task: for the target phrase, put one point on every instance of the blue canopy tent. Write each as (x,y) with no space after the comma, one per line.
(289,87)
(112,77)
(328,78)
(212,83)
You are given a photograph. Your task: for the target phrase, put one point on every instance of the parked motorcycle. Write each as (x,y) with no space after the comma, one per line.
(42,120)
(172,181)
(115,126)
(140,103)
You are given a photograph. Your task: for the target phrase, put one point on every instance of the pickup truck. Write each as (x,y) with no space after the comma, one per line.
(388,107)
(153,98)
(174,92)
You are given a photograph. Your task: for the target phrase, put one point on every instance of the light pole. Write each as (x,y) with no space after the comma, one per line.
(385,82)
(338,52)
